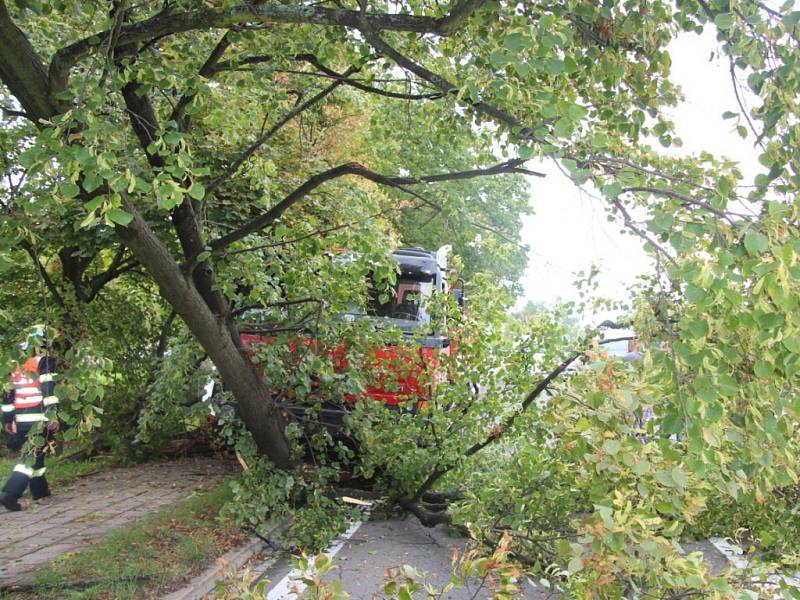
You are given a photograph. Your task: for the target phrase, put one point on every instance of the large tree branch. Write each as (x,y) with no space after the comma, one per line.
(499,115)
(207,70)
(23,71)
(73,266)
(117,267)
(312,60)
(144,121)
(498,431)
(459,12)
(320,233)
(269,217)
(325,71)
(165,24)
(184,219)
(259,410)
(686,200)
(42,272)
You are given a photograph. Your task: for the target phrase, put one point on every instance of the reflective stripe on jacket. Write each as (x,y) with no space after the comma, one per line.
(33,391)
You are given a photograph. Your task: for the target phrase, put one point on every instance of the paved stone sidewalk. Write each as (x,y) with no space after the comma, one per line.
(91,507)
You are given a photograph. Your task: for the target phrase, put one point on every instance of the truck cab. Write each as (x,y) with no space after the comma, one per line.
(422,272)
(412,365)
(406,370)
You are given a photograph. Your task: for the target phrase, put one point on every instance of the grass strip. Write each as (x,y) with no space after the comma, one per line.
(60,470)
(144,560)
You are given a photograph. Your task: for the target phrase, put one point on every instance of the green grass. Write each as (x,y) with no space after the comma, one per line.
(60,471)
(145,559)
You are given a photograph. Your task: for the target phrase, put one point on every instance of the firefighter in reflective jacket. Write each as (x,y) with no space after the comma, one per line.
(29,417)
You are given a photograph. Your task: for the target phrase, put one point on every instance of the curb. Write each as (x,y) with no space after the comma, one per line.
(202,585)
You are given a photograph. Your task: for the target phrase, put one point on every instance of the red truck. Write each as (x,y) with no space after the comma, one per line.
(408,369)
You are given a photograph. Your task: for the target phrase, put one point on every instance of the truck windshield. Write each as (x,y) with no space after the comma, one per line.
(406,304)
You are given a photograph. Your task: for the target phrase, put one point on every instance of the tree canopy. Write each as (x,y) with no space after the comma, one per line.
(213,151)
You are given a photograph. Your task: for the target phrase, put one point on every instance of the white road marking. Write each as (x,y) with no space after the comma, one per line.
(732,552)
(290,587)
(735,556)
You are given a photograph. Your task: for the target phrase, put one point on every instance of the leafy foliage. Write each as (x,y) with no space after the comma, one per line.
(224,166)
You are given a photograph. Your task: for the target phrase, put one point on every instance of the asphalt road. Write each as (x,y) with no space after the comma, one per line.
(375,546)
(364,554)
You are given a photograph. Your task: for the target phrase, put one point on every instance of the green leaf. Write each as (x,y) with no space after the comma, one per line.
(498,59)
(791,19)
(92,181)
(778,209)
(172,138)
(755,243)
(727,385)
(694,293)
(197,190)
(68,189)
(612,190)
(724,20)
(665,478)
(119,183)
(575,564)
(792,343)
(563,127)
(678,476)
(119,216)
(763,369)
(771,320)
(672,423)
(94,203)
(698,329)
(662,222)
(576,112)
(599,140)
(611,447)
(29,157)
(516,41)
(88,220)
(554,66)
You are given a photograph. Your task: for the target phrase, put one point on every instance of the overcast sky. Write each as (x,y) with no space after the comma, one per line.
(569,230)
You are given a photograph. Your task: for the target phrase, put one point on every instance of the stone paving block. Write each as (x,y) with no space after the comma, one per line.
(43,557)
(42,539)
(92,507)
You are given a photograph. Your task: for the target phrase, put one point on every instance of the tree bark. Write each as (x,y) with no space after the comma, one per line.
(165,24)
(23,71)
(260,414)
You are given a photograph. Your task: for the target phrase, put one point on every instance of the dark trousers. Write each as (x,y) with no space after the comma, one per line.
(30,467)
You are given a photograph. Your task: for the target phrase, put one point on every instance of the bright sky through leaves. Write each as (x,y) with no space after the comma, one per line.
(570,230)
